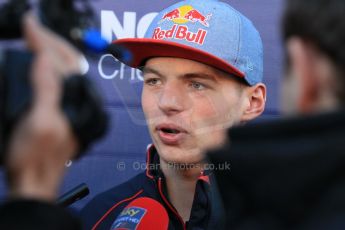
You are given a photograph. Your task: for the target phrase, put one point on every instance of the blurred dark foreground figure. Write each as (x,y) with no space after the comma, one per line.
(285,175)
(42,141)
(290,174)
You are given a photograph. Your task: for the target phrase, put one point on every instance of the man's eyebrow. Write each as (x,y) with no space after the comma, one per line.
(205,76)
(191,75)
(146,70)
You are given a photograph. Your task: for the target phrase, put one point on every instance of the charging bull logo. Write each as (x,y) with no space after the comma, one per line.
(196,16)
(172,15)
(186,14)
(181,16)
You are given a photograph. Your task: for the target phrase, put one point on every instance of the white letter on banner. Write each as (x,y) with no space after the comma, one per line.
(100,67)
(144,23)
(111,25)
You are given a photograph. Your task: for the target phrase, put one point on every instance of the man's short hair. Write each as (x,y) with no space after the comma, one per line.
(322,23)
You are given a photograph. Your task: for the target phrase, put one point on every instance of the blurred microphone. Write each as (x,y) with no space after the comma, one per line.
(142,213)
(73,195)
(92,39)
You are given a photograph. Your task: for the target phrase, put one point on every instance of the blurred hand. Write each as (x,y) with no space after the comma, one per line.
(43,141)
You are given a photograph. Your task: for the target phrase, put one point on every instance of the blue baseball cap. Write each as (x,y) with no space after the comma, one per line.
(207,31)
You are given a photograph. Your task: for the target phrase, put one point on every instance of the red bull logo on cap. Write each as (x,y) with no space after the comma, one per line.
(181,16)
(186,14)
(181,33)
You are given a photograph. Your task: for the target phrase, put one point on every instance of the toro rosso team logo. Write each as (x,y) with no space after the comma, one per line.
(180,16)
(186,14)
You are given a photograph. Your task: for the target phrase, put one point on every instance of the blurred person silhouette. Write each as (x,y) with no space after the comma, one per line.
(290,174)
(42,141)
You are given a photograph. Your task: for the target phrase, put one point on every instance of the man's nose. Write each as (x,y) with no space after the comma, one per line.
(172,99)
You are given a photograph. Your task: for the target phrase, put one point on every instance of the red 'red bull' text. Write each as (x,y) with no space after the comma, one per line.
(182,33)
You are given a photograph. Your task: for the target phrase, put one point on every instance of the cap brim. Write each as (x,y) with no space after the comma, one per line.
(143,49)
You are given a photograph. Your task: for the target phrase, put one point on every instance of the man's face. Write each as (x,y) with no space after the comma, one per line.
(187,106)
(309,85)
(291,92)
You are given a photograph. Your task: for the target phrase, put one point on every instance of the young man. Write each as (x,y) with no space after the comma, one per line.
(290,174)
(202,68)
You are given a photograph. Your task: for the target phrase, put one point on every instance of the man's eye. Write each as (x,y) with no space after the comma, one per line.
(152,81)
(198,86)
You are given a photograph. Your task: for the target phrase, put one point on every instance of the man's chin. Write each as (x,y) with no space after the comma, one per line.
(175,155)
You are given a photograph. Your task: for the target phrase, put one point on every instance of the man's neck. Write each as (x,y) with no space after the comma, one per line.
(181,184)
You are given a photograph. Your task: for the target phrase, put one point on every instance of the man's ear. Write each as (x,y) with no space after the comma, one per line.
(255,105)
(302,60)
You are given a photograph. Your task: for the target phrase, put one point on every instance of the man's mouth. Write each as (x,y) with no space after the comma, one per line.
(170,134)
(170,131)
